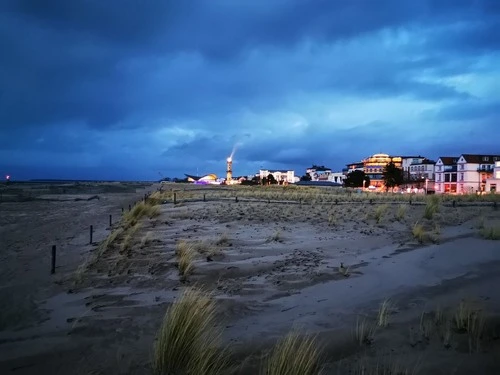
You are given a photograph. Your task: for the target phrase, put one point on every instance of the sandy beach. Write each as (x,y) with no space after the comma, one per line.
(274,259)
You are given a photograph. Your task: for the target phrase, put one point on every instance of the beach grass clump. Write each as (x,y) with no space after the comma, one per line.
(490,233)
(188,341)
(140,210)
(379,213)
(186,253)
(469,319)
(401,212)
(419,233)
(384,312)
(364,331)
(295,354)
(129,237)
(431,207)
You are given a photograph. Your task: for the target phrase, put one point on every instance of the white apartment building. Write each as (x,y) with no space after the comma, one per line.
(407,161)
(446,175)
(493,183)
(282,176)
(322,173)
(472,172)
(422,170)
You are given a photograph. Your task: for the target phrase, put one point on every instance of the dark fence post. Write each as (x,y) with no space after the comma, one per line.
(129,207)
(91,233)
(175,198)
(53,264)
(110,220)
(454,203)
(122,210)
(204,198)
(236,199)
(495,205)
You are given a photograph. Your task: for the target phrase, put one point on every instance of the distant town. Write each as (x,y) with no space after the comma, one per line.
(459,174)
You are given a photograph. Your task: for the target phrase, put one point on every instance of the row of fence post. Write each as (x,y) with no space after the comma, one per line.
(91,236)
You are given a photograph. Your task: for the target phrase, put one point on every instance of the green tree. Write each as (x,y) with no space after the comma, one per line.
(271,180)
(306,177)
(357,179)
(393,176)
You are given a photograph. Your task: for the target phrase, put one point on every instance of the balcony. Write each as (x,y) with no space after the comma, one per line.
(485,170)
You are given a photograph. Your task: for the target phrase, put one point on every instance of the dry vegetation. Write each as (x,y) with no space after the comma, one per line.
(188,341)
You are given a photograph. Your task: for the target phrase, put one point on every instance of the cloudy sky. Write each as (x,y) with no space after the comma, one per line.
(123,89)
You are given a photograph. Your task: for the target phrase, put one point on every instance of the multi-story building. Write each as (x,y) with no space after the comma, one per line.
(407,161)
(421,175)
(374,167)
(473,171)
(356,166)
(493,183)
(446,174)
(282,176)
(322,173)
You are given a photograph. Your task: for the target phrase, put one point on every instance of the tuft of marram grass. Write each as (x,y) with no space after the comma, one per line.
(490,233)
(379,213)
(401,212)
(294,354)
(188,342)
(431,207)
(129,237)
(186,253)
(364,331)
(419,233)
(384,312)
(276,236)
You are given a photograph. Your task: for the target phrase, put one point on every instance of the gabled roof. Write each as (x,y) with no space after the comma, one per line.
(479,159)
(449,160)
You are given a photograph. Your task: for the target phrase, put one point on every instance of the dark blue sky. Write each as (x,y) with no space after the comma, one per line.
(122,89)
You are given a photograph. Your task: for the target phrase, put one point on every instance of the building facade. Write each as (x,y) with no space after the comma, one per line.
(473,171)
(446,175)
(407,162)
(373,167)
(282,176)
(322,173)
(493,183)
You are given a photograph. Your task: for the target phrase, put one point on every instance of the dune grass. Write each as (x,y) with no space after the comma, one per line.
(384,312)
(187,341)
(186,253)
(129,237)
(364,331)
(431,207)
(379,213)
(140,210)
(294,354)
(401,212)
(419,233)
(490,233)
(470,319)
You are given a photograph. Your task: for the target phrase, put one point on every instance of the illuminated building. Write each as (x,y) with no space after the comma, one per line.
(473,171)
(446,174)
(373,167)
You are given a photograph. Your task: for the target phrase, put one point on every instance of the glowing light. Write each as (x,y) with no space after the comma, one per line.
(7,177)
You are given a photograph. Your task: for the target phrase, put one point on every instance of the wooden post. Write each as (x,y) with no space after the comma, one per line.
(204,198)
(236,199)
(91,233)
(122,210)
(129,207)
(454,203)
(53,263)
(110,220)
(175,197)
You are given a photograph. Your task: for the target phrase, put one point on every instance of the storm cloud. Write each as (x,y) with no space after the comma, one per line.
(126,89)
